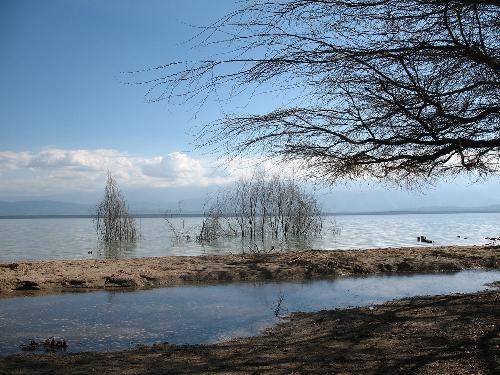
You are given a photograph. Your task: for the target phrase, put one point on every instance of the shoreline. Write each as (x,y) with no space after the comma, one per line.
(144,273)
(423,211)
(457,334)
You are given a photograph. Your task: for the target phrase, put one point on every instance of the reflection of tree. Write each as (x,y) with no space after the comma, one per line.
(279,309)
(116,249)
(110,296)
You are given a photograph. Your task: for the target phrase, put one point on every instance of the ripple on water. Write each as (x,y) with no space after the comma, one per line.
(73,238)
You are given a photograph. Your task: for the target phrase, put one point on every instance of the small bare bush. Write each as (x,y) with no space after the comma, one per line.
(112,220)
(179,233)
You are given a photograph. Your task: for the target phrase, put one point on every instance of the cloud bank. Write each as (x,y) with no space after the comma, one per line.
(81,174)
(53,169)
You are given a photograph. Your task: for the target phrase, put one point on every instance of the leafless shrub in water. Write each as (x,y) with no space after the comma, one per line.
(112,220)
(334,227)
(260,207)
(180,233)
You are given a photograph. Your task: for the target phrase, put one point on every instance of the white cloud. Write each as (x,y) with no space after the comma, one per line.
(52,170)
(55,170)
(13,160)
(242,167)
(79,159)
(174,166)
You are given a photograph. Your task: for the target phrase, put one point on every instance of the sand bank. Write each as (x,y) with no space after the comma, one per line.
(61,275)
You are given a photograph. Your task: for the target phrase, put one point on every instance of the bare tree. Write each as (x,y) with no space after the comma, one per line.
(262,207)
(391,89)
(112,220)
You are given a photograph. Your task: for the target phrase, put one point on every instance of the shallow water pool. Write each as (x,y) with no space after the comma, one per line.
(111,320)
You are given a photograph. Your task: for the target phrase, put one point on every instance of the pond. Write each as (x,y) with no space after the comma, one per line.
(112,320)
(63,238)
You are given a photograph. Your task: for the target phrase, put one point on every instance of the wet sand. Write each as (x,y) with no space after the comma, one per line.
(457,334)
(68,275)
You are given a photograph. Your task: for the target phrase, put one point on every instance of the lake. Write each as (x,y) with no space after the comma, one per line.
(74,238)
(113,320)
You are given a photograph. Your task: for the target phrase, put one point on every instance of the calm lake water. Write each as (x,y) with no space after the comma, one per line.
(105,320)
(36,239)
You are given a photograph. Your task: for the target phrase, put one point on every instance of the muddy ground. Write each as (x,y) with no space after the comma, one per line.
(60,275)
(426,335)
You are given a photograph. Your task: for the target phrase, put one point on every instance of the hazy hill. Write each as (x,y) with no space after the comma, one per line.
(43,208)
(50,207)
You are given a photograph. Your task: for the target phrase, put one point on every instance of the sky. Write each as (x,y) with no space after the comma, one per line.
(66,117)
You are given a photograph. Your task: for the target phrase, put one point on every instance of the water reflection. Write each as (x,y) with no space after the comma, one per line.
(108,320)
(278,306)
(32,239)
(115,249)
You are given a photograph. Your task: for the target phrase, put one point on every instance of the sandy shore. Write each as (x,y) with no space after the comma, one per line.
(427,335)
(56,276)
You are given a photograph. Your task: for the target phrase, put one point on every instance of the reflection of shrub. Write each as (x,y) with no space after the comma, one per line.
(262,207)
(278,308)
(115,249)
(112,220)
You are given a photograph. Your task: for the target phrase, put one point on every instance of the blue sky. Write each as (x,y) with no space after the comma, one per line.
(65,117)
(61,64)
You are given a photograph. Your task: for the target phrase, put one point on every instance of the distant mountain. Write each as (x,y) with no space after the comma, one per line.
(50,207)
(193,206)
(489,208)
(423,210)
(19,208)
